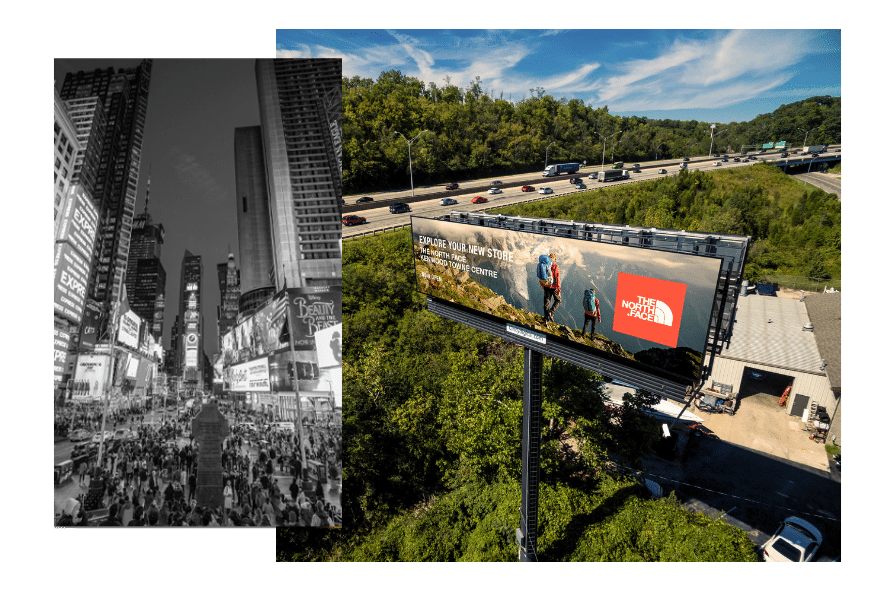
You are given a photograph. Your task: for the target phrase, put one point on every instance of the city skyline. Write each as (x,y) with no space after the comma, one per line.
(188,147)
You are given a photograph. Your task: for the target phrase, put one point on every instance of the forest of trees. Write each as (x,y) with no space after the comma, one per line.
(471,133)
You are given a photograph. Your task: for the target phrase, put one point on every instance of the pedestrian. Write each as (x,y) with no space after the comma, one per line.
(592,308)
(82,472)
(550,280)
(192,485)
(128,509)
(112,520)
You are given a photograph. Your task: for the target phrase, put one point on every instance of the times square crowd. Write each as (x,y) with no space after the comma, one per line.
(150,474)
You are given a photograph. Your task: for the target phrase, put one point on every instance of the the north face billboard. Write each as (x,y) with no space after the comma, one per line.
(647,305)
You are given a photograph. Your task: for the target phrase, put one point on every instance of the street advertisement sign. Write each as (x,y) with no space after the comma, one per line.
(329,346)
(313,309)
(250,376)
(91,374)
(646,307)
(190,358)
(71,278)
(89,329)
(128,332)
(78,222)
(61,341)
(132,367)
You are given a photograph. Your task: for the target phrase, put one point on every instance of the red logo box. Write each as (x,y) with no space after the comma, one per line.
(649,308)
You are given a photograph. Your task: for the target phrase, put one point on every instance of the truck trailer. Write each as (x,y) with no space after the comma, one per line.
(561,168)
(814,149)
(612,174)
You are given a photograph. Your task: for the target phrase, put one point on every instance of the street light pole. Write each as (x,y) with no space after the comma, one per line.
(805,136)
(546,155)
(410,152)
(711,146)
(604,153)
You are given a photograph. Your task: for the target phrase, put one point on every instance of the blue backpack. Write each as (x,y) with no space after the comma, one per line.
(543,271)
(588,302)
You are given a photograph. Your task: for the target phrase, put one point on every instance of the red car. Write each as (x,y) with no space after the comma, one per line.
(479,199)
(453,186)
(527,189)
(353,220)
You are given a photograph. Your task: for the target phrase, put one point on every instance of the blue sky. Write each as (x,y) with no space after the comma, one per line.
(708,75)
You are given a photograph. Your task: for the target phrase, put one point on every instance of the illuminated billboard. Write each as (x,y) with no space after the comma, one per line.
(78,222)
(90,376)
(313,309)
(71,278)
(128,333)
(641,307)
(251,376)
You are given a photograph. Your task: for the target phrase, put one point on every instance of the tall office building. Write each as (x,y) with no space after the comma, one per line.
(67,147)
(253,219)
(124,99)
(301,113)
(229,287)
(145,275)
(190,312)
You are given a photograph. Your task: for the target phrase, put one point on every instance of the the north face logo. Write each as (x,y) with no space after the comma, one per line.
(649,308)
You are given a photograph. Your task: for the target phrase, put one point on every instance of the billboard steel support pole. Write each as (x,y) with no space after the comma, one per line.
(530,453)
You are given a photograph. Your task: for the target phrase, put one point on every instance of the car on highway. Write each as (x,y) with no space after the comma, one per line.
(399,208)
(636,166)
(663,170)
(452,186)
(580,186)
(736,159)
(494,191)
(575,180)
(448,201)
(527,188)
(717,154)
(784,155)
(686,159)
(814,155)
(495,182)
(636,170)
(716,163)
(545,190)
(725,157)
(796,540)
(479,199)
(794,152)
(593,176)
(745,160)
(364,199)
(353,220)
(79,435)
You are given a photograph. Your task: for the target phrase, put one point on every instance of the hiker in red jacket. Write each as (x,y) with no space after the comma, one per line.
(553,291)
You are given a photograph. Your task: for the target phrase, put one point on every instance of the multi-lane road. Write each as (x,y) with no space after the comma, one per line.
(380,218)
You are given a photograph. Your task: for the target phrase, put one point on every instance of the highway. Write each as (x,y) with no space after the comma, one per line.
(828,183)
(380,218)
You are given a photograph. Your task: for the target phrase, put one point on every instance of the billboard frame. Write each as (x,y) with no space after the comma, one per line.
(731,249)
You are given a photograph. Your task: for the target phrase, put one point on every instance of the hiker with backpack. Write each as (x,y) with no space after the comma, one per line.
(592,310)
(550,279)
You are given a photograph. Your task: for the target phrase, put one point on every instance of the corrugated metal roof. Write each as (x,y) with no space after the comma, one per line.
(769,330)
(825,313)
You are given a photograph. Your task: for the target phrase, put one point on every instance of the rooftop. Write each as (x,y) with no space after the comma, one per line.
(825,313)
(769,330)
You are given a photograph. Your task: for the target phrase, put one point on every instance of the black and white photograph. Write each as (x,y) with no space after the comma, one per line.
(198,273)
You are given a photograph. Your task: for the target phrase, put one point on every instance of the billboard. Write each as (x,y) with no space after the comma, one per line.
(329,346)
(89,329)
(61,341)
(655,306)
(250,376)
(90,376)
(78,222)
(313,309)
(128,332)
(71,278)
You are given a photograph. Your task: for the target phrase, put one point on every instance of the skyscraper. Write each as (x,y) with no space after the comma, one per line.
(253,219)
(145,275)
(229,287)
(301,110)
(191,314)
(124,98)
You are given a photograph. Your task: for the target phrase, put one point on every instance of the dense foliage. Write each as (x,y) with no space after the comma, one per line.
(472,133)
(795,228)
(432,422)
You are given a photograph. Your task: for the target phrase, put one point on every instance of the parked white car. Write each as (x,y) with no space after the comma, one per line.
(796,540)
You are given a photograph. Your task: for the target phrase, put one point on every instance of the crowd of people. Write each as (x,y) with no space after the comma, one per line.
(149,478)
